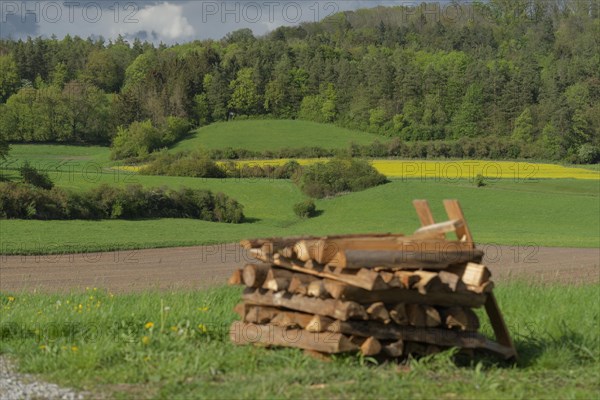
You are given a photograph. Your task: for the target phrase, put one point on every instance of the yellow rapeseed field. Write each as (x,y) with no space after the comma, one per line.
(459,169)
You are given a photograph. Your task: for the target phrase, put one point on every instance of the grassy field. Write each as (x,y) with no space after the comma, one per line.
(545,212)
(549,212)
(176,345)
(274,135)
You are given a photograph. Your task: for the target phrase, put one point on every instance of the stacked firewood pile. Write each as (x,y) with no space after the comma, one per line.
(383,295)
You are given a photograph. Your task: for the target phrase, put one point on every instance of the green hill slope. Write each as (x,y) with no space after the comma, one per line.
(274,135)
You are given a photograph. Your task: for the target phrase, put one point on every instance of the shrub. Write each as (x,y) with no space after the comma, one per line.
(479,181)
(338,175)
(34,177)
(196,164)
(588,154)
(305,209)
(107,202)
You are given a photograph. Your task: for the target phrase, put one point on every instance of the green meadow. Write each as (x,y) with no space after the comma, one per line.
(176,345)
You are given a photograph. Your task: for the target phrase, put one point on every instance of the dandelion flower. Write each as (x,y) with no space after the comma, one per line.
(145,340)
(11,299)
(149,325)
(202,328)
(74,349)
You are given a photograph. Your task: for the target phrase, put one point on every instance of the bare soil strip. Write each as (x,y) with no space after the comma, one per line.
(204,266)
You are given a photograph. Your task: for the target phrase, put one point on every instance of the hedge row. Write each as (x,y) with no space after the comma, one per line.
(25,201)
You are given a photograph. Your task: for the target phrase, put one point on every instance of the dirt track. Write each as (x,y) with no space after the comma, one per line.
(203,266)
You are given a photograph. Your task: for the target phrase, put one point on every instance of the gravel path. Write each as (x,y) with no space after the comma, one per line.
(14,386)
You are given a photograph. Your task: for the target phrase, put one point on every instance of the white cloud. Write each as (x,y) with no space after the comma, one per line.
(165,19)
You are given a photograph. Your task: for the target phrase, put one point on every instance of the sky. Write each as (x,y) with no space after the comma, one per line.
(165,21)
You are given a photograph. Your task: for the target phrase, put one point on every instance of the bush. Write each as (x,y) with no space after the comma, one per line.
(107,202)
(196,164)
(479,181)
(34,177)
(338,175)
(588,154)
(305,209)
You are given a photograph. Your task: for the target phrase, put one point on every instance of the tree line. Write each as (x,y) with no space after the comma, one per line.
(524,70)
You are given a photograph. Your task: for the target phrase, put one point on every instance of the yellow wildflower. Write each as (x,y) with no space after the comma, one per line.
(11,299)
(202,328)
(145,340)
(149,325)
(74,349)
(203,309)
(43,347)
(173,328)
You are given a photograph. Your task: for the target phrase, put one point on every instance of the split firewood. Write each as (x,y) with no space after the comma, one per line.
(452,280)
(288,252)
(393,349)
(319,323)
(407,278)
(277,284)
(299,283)
(316,289)
(254,275)
(398,314)
(235,278)
(240,309)
(391,279)
(370,346)
(422,316)
(378,312)
(337,309)
(429,282)
(289,319)
(462,318)
(243,333)
(260,315)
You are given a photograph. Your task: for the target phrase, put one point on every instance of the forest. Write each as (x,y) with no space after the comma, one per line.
(523,71)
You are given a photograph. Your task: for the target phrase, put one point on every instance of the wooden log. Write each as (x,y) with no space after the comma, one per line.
(462,318)
(398,314)
(277,284)
(288,252)
(378,312)
(240,309)
(452,281)
(436,336)
(400,259)
(319,323)
(260,315)
(254,275)
(243,333)
(370,347)
(423,316)
(393,349)
(407,278)
(299,283)
(235,278)
(364,278)
(316,289)
(471,274)
(290,319)
(429,282)
(391,279)
(343,291)
(337,309)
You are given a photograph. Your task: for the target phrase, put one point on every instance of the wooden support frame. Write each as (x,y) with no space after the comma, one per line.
(463,233)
